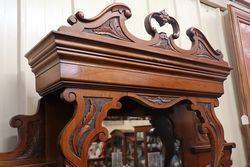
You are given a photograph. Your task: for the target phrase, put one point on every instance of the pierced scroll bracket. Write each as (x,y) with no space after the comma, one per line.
(85,126)
(162,18)
(211,126)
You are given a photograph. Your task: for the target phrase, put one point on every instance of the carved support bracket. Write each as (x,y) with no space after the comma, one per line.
(211,126)
(30,138)
(85,126)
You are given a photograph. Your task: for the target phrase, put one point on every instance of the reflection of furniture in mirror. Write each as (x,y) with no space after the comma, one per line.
(96,156)
(142,137)
(239,31)
(137,147)
(122,141)
(95,68)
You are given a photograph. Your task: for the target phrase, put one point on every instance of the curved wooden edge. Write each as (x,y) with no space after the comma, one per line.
(206,148)
(30,133)
(156,102)
(90,111)
(85,126)
(111,23)
(211,126)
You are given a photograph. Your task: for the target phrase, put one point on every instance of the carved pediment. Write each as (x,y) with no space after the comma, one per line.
(111,23)
(103,46)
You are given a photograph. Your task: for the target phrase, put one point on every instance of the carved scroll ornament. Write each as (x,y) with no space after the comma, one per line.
(111,23)
(30,134)
(85,126)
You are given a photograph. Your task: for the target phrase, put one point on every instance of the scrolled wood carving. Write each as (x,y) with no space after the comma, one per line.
(156,101)
(159,99)
(30,134)
(111,23)
(110,28)
(162,18)
(211,126)
(86,125)
(93,107)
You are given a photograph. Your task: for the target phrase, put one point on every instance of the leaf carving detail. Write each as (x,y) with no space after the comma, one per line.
(159,99)
(84,127)
(110,28)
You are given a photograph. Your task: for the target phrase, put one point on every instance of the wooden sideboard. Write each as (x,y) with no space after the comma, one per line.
(95,68)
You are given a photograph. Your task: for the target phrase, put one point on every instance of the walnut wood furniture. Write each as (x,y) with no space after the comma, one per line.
(95,66)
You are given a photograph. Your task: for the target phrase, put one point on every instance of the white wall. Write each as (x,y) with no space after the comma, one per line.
(212,25)
(8,70)
(24,22)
